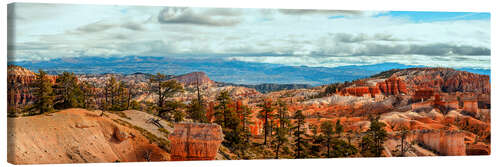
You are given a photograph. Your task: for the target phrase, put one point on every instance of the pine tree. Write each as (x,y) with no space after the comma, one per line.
(404,146)
(89,96)
(197,111)
(281,132)
(223,110)
(155,86)
(299,132)
(265,113)
(374,139)
(111,93)
(44,95)
(327,130)
(339,129)
(245,115)
(165,90)
(70,94)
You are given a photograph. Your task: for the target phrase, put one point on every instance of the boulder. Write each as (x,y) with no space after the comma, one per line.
(195,141)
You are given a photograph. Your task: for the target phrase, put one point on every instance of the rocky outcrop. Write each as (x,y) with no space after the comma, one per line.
(449,143)
(195,141)
(445,79)
(392,86)
(370,91)
(478,149)
(20,85)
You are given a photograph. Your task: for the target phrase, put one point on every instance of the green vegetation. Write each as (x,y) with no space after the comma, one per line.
(69,92)
(267,110)
(371,144)
(44,95)
(166,89)
(281,132)
(165,131)
(301,145)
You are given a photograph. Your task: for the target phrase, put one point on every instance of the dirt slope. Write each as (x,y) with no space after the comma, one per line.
(76,136)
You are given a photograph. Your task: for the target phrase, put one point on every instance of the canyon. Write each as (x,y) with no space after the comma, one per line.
(446,110)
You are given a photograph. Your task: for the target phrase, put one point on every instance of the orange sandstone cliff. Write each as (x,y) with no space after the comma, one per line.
(195,141)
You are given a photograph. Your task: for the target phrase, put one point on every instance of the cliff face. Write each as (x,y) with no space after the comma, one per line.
(361,91)
(392,86)
(445,79)
(20,85)
(449,143)
(195,141)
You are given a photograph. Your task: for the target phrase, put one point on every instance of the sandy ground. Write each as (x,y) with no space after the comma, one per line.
(75,136)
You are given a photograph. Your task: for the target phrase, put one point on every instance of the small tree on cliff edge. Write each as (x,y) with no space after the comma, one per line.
(196,111)
(371,143)
(44,95)
(300,141)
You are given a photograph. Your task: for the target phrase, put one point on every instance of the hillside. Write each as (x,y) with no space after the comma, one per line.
(76,136)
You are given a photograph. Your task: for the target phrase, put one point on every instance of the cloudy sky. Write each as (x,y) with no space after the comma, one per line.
(318,38)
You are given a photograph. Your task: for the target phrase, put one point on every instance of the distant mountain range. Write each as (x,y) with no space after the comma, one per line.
(262,75)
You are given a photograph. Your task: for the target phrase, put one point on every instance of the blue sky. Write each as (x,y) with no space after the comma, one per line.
(419,16)
(315,38)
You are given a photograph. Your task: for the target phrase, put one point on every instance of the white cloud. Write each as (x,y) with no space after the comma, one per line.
(291,37)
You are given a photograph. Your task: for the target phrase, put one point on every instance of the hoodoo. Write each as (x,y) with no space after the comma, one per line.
(195,141)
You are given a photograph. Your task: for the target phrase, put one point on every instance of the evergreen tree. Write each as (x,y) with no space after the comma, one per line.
(299,132)
(111,93)
(318,141)
(164,90)
(404,146)
(339,129)
(246,122)
(89,96)
(44,95)
(265,113)
(223,110)
(341,148)
(327,130)
(120,97)
(68,91)
(197,111)
(375,137)
(281,132)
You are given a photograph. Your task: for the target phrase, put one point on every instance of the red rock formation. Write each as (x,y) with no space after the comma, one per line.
(20,84)
(470,105)
(361,91)
(392,86)
(445,142)
(423,94)
(195,141)
(478,149)
(445,79)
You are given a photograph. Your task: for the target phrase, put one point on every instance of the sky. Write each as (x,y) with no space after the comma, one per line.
(315,38)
